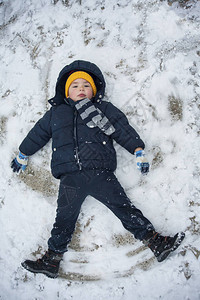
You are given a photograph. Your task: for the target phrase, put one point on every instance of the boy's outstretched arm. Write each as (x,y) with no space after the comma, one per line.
(37,137)
(127,137)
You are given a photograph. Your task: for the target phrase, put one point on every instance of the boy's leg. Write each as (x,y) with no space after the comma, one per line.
(108,190)
(72,193)
(71,196)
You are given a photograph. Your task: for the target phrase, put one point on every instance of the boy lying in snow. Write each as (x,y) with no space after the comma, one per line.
(82,127)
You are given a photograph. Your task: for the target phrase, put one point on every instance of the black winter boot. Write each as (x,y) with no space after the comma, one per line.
(162,246)
(48,264)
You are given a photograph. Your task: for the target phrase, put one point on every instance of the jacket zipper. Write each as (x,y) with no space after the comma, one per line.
(76,150)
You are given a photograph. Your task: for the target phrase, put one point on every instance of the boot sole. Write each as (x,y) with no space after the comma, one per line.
(47,273)
(178,241)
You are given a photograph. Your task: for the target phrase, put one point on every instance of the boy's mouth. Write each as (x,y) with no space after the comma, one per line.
(81,95)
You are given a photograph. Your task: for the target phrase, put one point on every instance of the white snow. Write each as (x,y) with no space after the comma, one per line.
(149,52)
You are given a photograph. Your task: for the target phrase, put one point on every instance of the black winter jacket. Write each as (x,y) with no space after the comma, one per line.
(74,145)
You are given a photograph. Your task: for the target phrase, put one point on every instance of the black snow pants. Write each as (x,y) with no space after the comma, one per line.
(102,185)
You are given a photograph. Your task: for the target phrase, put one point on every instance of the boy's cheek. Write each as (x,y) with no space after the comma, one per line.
(72,96)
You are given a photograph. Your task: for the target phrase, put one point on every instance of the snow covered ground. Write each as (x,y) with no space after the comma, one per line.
(149,52)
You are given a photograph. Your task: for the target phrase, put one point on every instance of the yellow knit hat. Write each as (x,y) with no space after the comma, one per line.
(76,75)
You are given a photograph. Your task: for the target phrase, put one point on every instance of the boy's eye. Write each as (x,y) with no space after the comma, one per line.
(75,86)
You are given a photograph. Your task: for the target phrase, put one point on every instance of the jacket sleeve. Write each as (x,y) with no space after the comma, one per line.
(124,134)
(38,136)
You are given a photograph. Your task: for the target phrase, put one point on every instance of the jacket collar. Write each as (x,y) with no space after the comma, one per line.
(69,101)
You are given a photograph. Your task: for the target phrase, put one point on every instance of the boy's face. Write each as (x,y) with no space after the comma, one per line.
(80,89)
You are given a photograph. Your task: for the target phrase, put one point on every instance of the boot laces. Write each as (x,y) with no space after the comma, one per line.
(158,240)
(47,259)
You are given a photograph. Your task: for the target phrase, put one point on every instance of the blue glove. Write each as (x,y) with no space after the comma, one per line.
(19,163)
(142,163)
